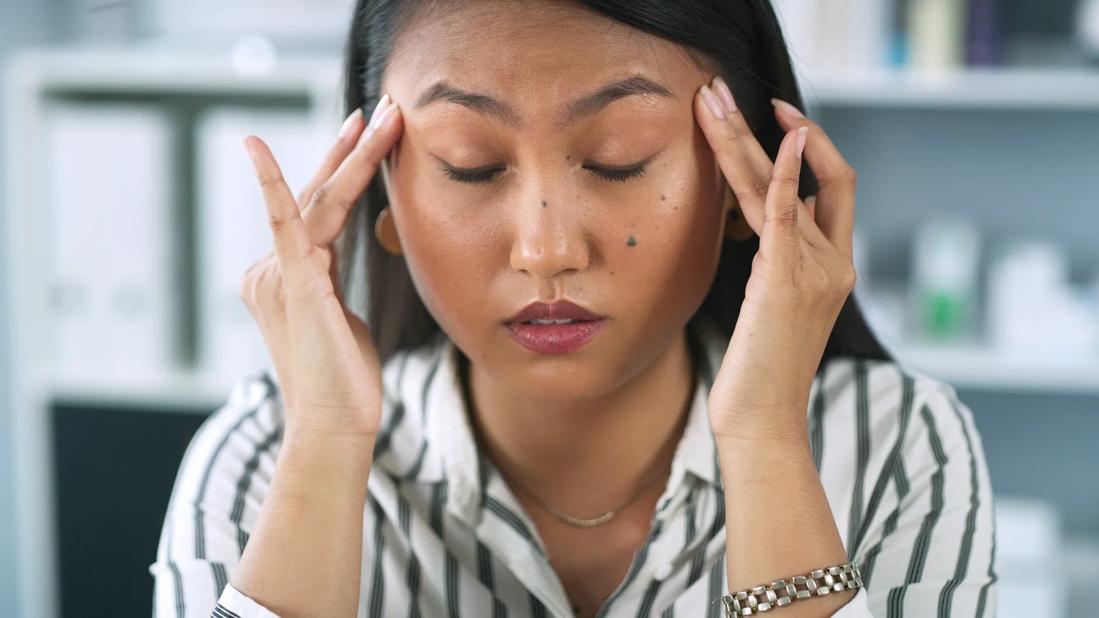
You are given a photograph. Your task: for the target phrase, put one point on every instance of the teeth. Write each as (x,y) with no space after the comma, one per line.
(551,321)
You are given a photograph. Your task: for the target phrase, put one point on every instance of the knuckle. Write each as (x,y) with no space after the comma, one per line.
(278,222)
(270,183)
(850,277)
(759,187)
(786,182)
(736,129)
(849,174)
(320,194)
(785,217)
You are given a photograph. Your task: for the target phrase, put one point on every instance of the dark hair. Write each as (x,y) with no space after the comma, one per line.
(741,39)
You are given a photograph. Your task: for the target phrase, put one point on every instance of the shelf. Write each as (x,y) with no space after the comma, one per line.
(167,71)
(984,368)
(977,88)
(189,391)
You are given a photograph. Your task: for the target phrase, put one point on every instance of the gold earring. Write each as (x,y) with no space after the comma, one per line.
(386,232)
(736,228)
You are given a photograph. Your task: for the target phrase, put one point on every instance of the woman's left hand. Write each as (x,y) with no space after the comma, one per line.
(800,278)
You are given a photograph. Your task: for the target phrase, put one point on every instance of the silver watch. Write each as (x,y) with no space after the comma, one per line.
(780,592)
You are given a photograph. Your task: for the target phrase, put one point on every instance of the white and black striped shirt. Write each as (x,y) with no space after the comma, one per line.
(898,454)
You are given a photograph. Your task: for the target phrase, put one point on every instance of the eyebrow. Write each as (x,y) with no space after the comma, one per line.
(585,106)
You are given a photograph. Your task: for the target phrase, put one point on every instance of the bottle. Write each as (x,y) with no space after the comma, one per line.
(944,274)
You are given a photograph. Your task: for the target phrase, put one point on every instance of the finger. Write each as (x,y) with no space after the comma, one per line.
(780,240)
(835,176)
(742,159)
(345,141)
(338,196)
(292,243)
(811,204)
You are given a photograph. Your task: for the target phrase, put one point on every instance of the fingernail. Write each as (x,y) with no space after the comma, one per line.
(383,103)
(790,109)
(712,103)
(725,94)
(386,117)
(349,125)
(799,145)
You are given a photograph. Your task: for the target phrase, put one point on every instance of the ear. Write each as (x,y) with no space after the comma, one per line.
(736,226)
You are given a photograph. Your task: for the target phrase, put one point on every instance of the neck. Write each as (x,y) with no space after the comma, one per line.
(586,456)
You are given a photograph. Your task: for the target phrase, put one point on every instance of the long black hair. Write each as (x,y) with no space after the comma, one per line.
(741,39)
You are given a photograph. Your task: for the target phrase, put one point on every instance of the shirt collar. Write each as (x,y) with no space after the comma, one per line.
(451,453)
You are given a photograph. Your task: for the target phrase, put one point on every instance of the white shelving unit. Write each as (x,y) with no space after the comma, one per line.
(32,80)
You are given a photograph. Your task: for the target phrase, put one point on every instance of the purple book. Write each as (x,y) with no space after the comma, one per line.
(984,35)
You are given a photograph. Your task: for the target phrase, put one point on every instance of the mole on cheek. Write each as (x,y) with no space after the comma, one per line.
(543,203)
(631,241)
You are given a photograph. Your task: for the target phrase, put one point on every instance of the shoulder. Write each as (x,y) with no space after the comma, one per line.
(246,428)
(883,392)
(880,430)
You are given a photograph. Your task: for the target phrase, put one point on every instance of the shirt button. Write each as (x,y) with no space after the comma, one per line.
(663,571)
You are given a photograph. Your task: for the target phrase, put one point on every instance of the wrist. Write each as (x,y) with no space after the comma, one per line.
(774,427)
(308,460)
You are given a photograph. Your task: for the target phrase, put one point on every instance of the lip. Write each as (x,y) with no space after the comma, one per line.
(560,310)
(554,338)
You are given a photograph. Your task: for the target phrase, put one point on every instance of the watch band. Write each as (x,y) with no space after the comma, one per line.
(779,593)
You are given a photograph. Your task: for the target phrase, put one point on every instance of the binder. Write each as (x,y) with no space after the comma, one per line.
(232,226)
(107,191)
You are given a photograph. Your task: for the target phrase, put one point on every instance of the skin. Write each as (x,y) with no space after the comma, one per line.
(547,228)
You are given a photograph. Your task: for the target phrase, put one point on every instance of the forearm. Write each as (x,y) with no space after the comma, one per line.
(777,518)
(304,556)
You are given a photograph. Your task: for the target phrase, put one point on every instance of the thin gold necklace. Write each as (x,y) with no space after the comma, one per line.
(581,522)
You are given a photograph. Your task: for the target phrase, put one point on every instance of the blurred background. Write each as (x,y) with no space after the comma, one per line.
(130,212)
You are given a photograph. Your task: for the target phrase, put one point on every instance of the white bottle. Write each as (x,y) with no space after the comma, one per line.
(944,280)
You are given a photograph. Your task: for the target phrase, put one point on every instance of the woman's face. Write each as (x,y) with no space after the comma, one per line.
(547,221)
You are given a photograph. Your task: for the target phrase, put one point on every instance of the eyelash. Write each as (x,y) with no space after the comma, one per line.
(484,176)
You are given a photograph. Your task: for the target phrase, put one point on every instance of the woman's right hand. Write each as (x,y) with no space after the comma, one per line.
(327,365)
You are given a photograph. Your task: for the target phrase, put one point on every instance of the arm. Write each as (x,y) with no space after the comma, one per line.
(305,555)
(778,522)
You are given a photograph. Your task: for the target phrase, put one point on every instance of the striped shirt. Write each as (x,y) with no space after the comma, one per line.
(898,454)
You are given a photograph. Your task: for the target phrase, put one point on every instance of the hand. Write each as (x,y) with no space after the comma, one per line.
(800,278)
(324,355)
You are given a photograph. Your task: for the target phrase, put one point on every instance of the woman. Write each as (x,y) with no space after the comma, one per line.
(614,365)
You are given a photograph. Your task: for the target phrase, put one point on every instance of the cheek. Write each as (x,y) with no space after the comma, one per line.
(445,255)
(678,238)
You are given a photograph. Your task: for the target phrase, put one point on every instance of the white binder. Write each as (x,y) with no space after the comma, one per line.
(109,207)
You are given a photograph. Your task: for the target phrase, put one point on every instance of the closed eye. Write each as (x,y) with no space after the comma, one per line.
(483,175)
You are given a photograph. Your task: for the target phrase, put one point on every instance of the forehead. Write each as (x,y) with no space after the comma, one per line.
(530,49)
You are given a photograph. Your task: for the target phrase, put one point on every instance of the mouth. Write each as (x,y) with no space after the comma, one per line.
(556,328)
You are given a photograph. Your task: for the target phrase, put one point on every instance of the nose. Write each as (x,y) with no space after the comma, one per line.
(548,240)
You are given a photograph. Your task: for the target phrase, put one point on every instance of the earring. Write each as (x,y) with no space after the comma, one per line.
(736,228)
(386,232)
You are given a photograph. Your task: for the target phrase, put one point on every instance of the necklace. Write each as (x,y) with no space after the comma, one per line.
(587,522)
